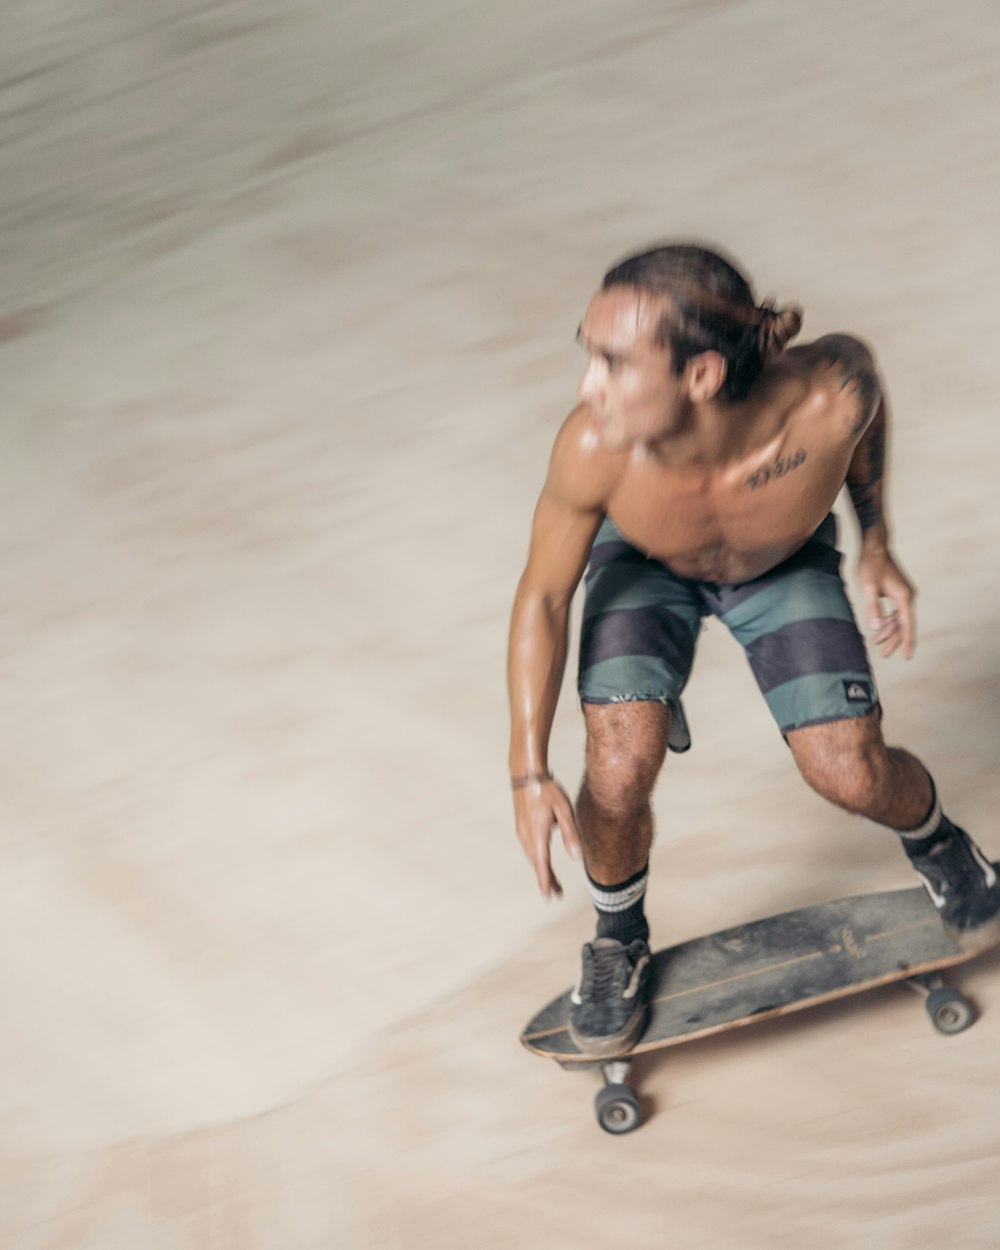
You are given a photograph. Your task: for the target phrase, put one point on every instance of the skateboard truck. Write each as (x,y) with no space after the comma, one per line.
(617,1104)
(950,1011)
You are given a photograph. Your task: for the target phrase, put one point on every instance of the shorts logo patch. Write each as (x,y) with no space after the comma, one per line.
(857,692)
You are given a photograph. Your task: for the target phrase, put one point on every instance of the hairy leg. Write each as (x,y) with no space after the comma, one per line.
(626,745)
(848,762)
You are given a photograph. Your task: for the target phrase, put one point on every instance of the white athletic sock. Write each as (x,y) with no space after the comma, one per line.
(621,908)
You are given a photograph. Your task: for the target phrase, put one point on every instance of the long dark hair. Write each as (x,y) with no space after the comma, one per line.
(711,308)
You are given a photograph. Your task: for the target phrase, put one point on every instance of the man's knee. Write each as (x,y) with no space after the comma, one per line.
(856,784)
(626,745)
(844,761)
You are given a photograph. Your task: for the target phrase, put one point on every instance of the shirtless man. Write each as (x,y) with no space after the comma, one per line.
(696,476)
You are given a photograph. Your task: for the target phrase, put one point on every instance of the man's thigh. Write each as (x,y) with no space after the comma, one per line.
(640,626)
(798,631)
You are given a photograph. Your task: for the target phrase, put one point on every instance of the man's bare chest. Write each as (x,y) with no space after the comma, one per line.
(728,525)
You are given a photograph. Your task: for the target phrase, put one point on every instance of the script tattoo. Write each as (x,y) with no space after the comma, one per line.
(780,467)
(856,372)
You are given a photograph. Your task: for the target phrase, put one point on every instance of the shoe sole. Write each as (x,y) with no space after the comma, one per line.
(611,1044)
(982,937)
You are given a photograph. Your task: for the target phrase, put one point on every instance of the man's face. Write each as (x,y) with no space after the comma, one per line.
(629,383)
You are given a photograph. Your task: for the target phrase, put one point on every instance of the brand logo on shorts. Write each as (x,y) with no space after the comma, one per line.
(857,692)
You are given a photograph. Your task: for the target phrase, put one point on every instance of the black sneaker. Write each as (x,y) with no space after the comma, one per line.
(965,889)
(608,1007)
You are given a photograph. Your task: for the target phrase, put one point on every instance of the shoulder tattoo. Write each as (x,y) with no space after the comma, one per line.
(854,368)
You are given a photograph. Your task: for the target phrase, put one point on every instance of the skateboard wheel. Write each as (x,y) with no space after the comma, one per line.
(950,1011)
(617,1108)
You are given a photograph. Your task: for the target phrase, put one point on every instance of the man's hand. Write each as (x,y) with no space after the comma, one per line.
(538,808)
(881,579)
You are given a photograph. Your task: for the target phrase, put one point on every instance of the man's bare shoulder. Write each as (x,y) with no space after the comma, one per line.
(843,379)
(583,472)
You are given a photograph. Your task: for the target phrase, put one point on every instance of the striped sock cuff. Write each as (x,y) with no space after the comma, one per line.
(616,898)
(930,825)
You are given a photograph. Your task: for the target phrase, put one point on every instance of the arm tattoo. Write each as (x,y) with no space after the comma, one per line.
(864,477)
(780,467)
(855,370)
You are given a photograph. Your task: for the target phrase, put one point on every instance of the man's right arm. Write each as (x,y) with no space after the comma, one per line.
(568,515)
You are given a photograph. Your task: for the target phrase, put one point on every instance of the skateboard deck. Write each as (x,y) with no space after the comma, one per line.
(774,966)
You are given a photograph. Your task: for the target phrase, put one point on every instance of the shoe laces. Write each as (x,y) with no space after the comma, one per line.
(605,969)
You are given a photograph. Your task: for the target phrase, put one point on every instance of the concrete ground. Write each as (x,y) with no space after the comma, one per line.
(289,297)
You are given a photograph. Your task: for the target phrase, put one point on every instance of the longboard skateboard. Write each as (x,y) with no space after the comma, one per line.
(768,968)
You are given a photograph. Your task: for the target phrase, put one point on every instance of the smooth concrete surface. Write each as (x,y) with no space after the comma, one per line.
(288,303)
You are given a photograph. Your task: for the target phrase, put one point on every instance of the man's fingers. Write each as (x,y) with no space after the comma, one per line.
(908,627)
(538,816)
(552,889)
(888,635)
(550,884)
(873,605)
(547,881)
(886,627)
(568,829)
(896,630)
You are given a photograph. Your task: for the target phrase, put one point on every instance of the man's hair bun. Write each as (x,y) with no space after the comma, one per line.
(776,327)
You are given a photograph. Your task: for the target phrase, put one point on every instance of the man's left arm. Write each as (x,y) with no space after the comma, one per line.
(849,368)
(880,577)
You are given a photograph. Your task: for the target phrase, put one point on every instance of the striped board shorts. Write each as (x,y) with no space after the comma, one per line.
(795,624)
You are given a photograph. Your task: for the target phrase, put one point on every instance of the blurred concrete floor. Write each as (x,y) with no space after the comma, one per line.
(289,296)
